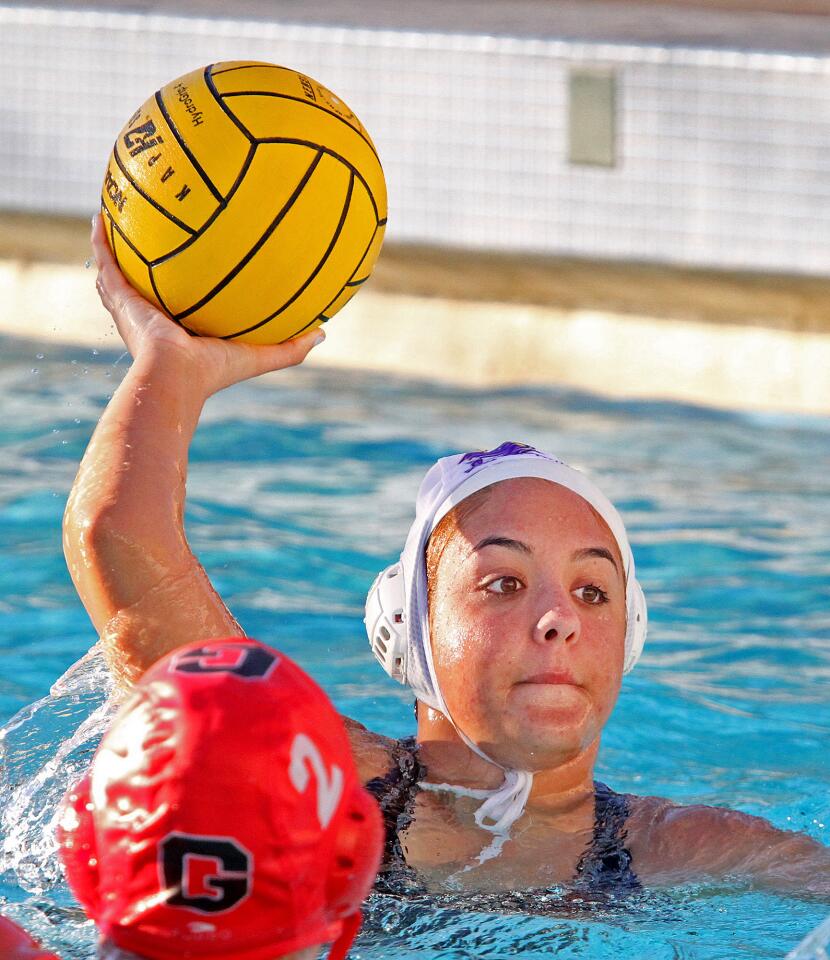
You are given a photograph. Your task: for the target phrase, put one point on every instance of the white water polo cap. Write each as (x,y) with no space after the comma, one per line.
(397,616)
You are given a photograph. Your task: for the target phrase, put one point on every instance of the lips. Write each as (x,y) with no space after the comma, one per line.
(553,677)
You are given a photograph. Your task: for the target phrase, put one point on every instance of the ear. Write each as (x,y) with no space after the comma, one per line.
(79,848)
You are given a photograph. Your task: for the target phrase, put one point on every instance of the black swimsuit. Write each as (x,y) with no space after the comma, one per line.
(604,867)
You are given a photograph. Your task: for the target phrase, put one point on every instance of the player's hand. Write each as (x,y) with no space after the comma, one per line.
(208,363)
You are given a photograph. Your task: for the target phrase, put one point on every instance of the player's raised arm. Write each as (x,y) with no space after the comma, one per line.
(124,534)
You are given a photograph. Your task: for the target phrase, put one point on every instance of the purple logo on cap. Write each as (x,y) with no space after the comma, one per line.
(509,448)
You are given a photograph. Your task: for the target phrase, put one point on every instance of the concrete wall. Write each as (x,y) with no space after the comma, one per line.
(494,345)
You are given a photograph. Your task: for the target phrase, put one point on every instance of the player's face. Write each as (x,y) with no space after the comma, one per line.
(528,624)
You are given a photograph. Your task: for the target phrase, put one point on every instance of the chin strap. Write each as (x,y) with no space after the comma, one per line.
(502,807)
(341,945)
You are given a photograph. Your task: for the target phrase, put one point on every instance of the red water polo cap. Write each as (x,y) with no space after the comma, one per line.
(16,944)
(223,816)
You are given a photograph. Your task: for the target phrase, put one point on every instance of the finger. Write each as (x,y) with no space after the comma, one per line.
(103,293)
(111,283)
(117,296)
(100,245)
(296,350)
(281,355)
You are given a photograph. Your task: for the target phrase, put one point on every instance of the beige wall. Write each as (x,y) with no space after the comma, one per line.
(702,347)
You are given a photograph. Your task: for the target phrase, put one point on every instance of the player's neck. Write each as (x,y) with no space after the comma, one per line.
(448,759)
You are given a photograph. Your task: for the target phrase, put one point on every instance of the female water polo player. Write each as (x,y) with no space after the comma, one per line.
(222,817)
(512,615)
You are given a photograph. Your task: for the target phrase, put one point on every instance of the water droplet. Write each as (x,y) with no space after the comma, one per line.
(87,263)
(77,420)
(95,352)
(38,356)
(35,370)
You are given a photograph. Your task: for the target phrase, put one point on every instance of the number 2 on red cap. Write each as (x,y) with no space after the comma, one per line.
(329,785)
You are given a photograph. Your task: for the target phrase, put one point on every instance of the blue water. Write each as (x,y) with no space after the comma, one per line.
(302,487)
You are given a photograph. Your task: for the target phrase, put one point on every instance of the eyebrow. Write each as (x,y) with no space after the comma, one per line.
(584,554)
(503,542)
(601,552)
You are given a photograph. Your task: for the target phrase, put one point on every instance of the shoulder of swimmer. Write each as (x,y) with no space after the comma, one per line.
(374,755)
(672,843)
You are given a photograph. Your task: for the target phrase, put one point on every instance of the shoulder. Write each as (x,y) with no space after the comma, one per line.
(374,755)
(675,842)
(666,820)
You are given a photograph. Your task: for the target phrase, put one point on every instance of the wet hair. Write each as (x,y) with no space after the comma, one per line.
(447,528)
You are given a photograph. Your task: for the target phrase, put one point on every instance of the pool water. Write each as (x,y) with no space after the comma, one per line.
(302,487)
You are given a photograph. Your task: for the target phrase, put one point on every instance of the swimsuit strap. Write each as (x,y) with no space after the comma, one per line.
(604,867)
(606,864)
(395,793)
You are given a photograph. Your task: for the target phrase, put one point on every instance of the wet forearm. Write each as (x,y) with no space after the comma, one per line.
(123,527)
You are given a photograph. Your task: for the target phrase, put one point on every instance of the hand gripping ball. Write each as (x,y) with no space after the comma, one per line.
(246,201)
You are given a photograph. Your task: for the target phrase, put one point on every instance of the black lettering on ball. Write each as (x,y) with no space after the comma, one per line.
(114,192)
(139,139)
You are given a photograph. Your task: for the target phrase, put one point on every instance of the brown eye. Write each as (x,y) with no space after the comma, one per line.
(591,594)
(505,585)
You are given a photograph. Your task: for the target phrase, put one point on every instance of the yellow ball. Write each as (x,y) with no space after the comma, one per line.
(246,201)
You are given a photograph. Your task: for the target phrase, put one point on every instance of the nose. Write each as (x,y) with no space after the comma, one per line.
(559,621)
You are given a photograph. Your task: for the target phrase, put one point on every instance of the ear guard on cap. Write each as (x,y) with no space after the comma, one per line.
(354,866)
(386,621)
(636,628)
(78,847)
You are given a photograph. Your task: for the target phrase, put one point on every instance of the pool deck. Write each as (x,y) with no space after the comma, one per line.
(742,341)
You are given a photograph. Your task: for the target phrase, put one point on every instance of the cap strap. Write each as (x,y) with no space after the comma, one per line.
(341,945)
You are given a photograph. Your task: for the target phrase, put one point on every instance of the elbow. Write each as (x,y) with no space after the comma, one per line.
(86,536)
(100,544)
